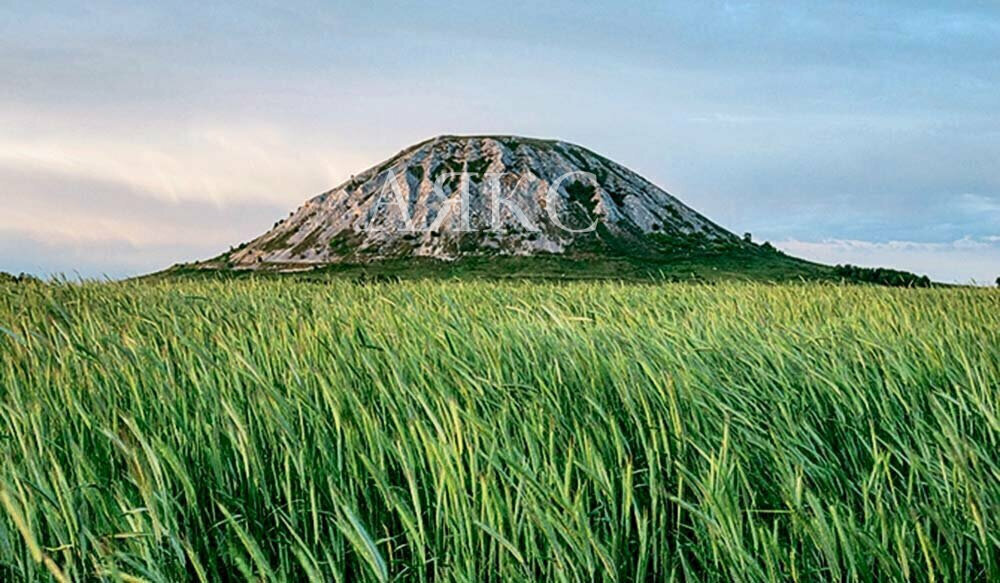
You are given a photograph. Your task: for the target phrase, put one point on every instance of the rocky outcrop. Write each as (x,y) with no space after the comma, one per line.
(453,196)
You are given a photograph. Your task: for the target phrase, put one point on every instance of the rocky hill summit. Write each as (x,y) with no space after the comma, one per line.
(452,197)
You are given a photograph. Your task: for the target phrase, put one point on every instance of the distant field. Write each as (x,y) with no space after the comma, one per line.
(505,431)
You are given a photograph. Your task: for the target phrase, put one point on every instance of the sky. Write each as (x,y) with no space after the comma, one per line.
(135,135)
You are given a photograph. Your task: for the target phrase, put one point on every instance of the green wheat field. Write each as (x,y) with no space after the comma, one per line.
(480,431)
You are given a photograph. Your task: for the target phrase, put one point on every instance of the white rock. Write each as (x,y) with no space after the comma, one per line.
(359,221)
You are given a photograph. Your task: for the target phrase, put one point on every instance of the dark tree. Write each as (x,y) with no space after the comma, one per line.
(881,276)
(23,278)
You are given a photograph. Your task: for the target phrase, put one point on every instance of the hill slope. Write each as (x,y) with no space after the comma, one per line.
(503,204)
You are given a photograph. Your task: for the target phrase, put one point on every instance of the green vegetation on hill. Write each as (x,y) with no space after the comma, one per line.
(498,431)
(671,259)
(682,267)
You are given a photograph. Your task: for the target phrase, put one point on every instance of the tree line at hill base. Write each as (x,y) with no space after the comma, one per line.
(881,276)
(23,278)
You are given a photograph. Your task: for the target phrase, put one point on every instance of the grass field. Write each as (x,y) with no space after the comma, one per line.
(511,431)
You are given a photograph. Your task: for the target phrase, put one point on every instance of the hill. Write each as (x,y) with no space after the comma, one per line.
(451,205)
(501,207)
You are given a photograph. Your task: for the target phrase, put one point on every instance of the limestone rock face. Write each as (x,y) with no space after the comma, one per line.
(453,196)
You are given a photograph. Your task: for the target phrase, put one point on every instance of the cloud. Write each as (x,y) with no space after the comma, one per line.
(207,162)
(965,260)
(978,203)
(59,222)
(95,258)
(67,206)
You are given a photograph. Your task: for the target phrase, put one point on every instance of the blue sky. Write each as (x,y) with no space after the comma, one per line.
(134,136)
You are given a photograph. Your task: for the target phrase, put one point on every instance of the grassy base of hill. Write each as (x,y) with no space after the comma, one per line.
(749,265)
(257,430)
(760,264)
